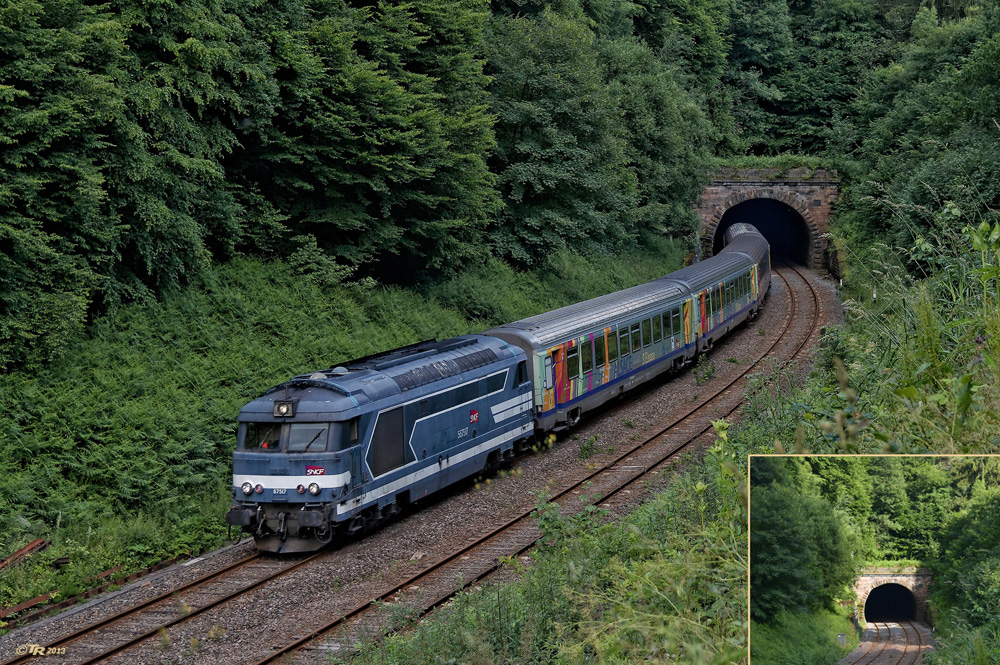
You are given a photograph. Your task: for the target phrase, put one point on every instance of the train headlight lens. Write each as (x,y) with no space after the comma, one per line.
(301,489)
(247,488)
(313,489)
(258,489)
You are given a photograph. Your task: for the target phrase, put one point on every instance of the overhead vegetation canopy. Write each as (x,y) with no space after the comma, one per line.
(144,142)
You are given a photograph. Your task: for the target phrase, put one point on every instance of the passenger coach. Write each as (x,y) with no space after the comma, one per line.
(582,355)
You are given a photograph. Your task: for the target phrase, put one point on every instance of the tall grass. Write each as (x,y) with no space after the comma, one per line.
(666,584)
(803,639)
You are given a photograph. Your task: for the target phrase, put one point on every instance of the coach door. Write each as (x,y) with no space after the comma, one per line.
(559,375)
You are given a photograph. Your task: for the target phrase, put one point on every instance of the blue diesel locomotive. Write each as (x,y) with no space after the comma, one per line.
(338,450)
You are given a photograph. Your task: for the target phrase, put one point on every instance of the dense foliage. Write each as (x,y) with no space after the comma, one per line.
(665,584)
(407,140)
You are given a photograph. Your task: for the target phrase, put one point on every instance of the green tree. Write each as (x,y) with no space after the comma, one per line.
(760,50)
(801,549)
(560,160)
(58,65)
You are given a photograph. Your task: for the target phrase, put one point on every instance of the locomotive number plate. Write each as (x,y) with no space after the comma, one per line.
(279,491)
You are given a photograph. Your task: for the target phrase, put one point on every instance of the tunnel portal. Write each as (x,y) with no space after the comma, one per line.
(890,602)
(791,208)
(781,224)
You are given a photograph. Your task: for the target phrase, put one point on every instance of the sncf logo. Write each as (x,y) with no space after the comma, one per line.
(473,416)
(315,471)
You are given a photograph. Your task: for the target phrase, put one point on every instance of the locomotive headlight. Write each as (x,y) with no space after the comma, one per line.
(259,488)
(247,488)
(301,489)
(313,489)
(285,408)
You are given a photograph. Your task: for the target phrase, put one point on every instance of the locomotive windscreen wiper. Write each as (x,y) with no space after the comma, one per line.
(313,439)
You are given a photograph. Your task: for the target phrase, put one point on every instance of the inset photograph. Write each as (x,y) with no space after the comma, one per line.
(874,560)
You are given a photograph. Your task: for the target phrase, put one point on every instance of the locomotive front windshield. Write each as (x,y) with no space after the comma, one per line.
(299,437)
(303,437)
(262,436)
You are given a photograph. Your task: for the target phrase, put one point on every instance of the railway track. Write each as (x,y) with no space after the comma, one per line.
(443,579)
(891,643)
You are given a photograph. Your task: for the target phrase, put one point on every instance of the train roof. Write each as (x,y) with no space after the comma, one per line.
(381,375)
(753,245)
(703,274)
(594,314)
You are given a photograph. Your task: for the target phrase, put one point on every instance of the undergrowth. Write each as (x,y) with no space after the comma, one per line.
(914,370)
(803,639)
(666,584)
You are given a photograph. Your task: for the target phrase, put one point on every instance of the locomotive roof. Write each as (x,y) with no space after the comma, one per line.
(381,375)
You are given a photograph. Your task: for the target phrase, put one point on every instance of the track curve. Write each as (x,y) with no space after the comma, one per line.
(891,643)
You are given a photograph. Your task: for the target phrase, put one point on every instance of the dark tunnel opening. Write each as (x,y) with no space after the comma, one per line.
(780,223)
(890,602)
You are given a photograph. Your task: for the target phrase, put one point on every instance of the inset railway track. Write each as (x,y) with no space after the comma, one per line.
(119,635)
(891,643)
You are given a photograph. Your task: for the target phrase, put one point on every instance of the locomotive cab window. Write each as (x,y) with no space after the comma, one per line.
(495,383)
(308,437)
(262,436)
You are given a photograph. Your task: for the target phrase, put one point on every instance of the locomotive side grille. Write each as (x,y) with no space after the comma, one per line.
(415,377)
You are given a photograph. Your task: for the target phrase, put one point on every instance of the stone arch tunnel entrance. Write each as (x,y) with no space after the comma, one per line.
(780,223)
(892,593)
(890,602)
(791,208)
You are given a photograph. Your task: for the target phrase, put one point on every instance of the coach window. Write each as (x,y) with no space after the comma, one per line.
(636,339)
(623,341)
(573,363)
(599,350)
(657,330)
(548,372)
(587,353)
(676,326)
(307,437)
(647,337)
(612,346)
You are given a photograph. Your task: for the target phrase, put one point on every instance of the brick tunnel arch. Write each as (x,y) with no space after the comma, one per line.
(784,220)
(890,602)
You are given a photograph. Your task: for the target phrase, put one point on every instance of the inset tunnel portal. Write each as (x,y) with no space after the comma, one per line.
(791,209)
(893,594)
